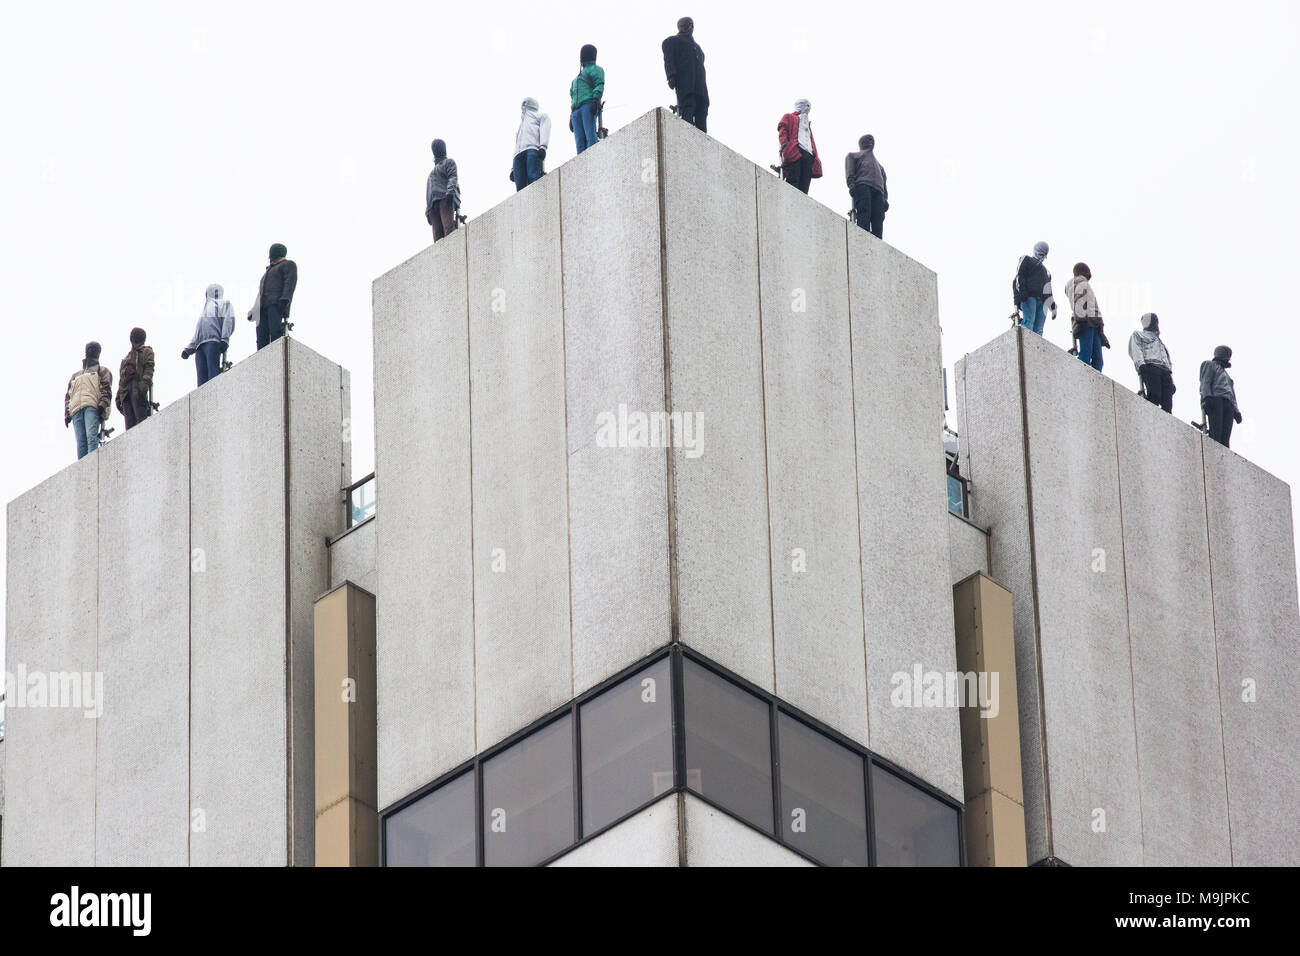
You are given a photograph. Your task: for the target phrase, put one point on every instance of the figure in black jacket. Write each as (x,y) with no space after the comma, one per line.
(274,296)
(684,67)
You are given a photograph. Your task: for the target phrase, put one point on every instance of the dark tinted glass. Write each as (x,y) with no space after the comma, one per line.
(627,746)
(912,827)
(823,796)
(728,745)
(436,830)
(528,798)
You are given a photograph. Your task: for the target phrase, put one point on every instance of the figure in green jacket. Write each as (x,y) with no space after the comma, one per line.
(585,93)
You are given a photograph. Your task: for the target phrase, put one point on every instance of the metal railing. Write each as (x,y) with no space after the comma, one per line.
(359,500)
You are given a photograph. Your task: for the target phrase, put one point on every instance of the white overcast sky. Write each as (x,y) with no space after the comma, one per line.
(153,148)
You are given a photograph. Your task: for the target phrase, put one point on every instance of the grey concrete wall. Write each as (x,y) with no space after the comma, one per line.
(647,839)
(968,549)
(715,839)
(1152,571)
(631,276)
(181,579)
(352,557)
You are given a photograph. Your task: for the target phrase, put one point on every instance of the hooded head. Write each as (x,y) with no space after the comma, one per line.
(1040,250)
(530,105)
(278,251)
(1151,322)
(215,291)
(439,150)
(587,54)
(686,26)
(867,142)
(1222,355)
(137,337)
(802,106)
(1081,269)
(92,351)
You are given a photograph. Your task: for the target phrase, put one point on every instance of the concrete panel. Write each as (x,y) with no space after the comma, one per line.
(992,439)
(1086,666)
(647,839)
(51,614)
(715,839)
(968,549)
(902,502)
(724,584)
(811,468)
(238,615)
(352,557)
(1171,633)
(1257,628)
(523,654)
(317,393)
(143,765)
(423,568)
(614,355)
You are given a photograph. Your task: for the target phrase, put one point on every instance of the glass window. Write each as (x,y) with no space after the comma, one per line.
(956,496)
(528,798)
(823,796)
(728,745)
(627,746)
(436,830)
(912,827)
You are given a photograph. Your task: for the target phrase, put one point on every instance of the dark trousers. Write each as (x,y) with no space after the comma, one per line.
(528,168)
(1219,411)
(868,208)
(207,360)
(444,219)
(135,405)
(270,326)
(1157,385)
(694,109)
(799,173)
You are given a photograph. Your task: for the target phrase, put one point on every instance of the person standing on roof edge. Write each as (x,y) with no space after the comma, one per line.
(1154,367)
(1219,395)
(1086,323)
(212,334)
(87,401)
(530,145)
(800,164)
(585,94)
(1031,290)
(274,296)
(441,193)
(684,68)
(135,381)
(868,186)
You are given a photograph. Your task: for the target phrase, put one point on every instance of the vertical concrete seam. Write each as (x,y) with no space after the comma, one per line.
(189,632)
(473,572)
(288,611)
(1214,631)
(1033,587)
(674,618)
(564,379)
(681,830)
(857,478)
(767,461)
(1128,626)
(94,780)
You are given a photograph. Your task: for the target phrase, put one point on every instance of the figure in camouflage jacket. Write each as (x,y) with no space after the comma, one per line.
(135,381)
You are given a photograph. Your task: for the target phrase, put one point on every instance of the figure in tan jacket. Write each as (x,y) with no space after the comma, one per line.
(88,400)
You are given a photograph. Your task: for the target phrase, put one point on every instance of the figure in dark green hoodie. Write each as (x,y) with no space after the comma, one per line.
(585,93)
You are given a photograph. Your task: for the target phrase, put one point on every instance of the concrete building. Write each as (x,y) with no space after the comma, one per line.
(667,579)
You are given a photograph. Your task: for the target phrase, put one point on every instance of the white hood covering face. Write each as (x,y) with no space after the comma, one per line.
(534,127)
(217,322)
(802,107)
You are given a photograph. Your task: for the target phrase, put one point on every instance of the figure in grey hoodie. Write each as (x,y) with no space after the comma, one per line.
(868,186)
(1154,367)
(212,334)
(1219,395)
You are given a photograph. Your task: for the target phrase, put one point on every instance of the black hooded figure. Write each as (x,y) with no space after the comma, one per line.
(684,67)
(275,295)
(1219,395)
(441,193)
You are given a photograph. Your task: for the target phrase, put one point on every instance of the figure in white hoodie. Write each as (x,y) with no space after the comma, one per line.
(1154,367)
(212,334)
(530,145)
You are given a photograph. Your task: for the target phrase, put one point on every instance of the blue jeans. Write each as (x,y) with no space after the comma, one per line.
(1033,315)
(1090,347)
(207,361)
(584,124)
(528,168)
(85,425)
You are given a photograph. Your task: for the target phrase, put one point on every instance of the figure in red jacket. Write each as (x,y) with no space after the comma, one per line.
(800,164)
